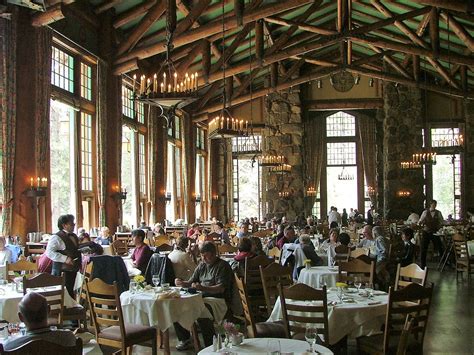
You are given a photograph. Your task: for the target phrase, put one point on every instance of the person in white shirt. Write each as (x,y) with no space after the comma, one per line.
(5,253)
(183,262)
(334,216)
(413,218)
(368,241)
(432,220)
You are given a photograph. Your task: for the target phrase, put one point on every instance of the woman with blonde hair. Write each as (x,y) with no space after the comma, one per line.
(104,236)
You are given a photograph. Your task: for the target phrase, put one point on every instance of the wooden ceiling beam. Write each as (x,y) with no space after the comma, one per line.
(293,70)
(347,104)
(407,48)
(459,30)
(381,75)
(206,59)
(211,29)
(422,26)
(455,5)
(392,62)
(192,16)
(133,13)
(239,7)
(300,25)
(259,44)
(152,15)
(202,115)
(51,15)
(106,6)
(207,96)
(434,30)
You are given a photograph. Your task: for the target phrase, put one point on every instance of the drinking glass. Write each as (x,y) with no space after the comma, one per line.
(311,335)
(166,286)
(133,287)
(369,288)
(273,347)
(156,280)
(357,283)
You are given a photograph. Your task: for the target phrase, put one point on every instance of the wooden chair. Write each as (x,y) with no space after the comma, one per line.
(160,240)
(404,336)
(358,252)
(226,248)
(254,285)
(413,300)
(342,253)
(357,268)
(297,314)
(463,262)
(263,233)
(261,329)
(365,258)
(54,295)
(271,276)
(409,274)
(43,347)
(23,267)
(119,247)
(110,329)
(215,237)
(164,248)
(275,253)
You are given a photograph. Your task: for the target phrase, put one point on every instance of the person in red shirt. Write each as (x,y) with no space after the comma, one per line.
(142,253)
(194,232)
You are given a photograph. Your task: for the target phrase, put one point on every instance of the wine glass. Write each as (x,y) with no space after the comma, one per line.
(311,335)
(133,286)
(156,280)
(357,283)
(273,347)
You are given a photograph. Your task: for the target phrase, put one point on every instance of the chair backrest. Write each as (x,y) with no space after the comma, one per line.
(358,252)
(23,267)
(404,336)
(357,268)
(244,299)
(226,248)
(275,253)
(164,248)
(215,237)
(54,293)
(297,312)
(263,233)
(413,300)
(160,240)
(342,253)
(104,303)
(365,258)
(460,248)
(43,347)
(408,274)
(119,247)
(271,276)
(253,283)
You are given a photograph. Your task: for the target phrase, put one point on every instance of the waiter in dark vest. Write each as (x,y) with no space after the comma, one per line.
(432,220)
(62,249)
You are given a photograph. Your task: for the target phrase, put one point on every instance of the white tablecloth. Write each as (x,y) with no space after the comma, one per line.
(10,300)
(146,309)
(363,317)
(260,346)
(312,277)
(107,249)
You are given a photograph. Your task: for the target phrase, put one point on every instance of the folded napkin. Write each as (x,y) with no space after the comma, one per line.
(169,294)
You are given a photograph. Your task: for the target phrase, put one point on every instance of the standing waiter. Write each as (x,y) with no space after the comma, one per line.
(432,220)
(63,250)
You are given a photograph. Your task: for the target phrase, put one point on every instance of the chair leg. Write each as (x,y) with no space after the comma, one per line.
(154,349)
(197,345)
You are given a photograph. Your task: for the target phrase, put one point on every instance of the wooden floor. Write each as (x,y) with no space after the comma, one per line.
(451,323)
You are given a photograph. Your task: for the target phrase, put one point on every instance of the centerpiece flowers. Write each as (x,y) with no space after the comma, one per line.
(233,333)
(307,263)
(140,280)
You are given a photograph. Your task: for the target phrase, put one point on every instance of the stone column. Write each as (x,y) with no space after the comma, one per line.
(469,155)
(402,126)
(284,136)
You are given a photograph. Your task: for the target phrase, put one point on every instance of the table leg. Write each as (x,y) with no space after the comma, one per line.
(166,341)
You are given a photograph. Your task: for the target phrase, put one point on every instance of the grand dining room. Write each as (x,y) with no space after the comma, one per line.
(236,176)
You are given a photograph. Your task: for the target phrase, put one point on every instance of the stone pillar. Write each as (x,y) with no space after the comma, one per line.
(284,136)
(469,155)
(402,126)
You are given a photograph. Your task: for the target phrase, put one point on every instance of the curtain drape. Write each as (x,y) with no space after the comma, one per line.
(43,49)
(314,146)
(152,160)
(101,120)
(367,143)
(8,35)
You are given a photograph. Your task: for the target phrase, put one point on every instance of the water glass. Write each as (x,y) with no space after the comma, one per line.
(369,288)
(156,280)
(311,334)
(273,347)
(166,286)
(357,283)
(133,287)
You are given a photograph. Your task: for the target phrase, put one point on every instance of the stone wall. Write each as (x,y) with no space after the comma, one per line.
(469,154)
(284,136)
(403,111)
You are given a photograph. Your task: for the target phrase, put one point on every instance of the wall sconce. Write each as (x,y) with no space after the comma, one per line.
(38,187)
(371,191)
(311,191)
(120,193)
(168,197)
(357,80)
(371,82)
(215,197)
(319,84)
(403,193)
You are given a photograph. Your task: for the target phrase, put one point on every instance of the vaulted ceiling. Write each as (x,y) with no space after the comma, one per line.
(264,43)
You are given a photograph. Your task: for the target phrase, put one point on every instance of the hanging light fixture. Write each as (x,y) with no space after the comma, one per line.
(311,191)
(224,125)
(283,168)
(344,174)
(167,87)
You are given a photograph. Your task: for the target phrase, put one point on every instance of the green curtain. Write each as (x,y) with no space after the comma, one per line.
(367,143)
(314,147)
(101,122)
(8,35)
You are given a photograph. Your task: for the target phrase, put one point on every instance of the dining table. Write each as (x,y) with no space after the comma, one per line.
(318,276)
(161,308)
(357,314)
(268,345)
